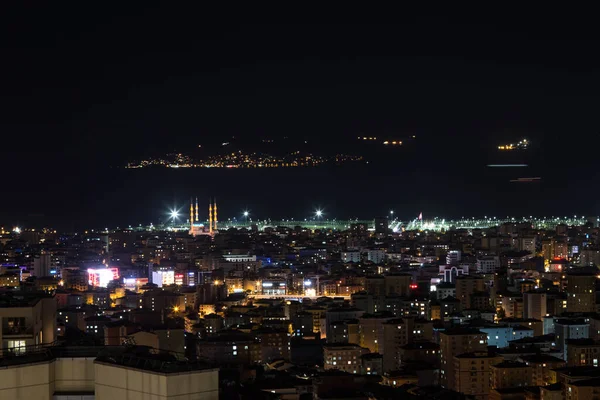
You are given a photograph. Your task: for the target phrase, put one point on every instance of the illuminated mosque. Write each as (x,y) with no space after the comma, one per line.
(198,228)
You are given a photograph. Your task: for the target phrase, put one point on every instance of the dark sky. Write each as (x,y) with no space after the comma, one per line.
(85,88)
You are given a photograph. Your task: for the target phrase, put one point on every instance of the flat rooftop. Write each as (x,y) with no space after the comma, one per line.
(138,357)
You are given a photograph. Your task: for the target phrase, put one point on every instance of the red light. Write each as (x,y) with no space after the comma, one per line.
(413,286)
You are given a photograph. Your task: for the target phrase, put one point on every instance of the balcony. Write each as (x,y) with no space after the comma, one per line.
(16,331)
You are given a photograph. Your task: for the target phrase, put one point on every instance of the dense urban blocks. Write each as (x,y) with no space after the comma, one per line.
(487,313)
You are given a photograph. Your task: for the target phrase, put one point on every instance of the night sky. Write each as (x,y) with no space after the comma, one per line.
(86,88)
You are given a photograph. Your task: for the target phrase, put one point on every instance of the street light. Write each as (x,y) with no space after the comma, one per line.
(319,213)
(174,214)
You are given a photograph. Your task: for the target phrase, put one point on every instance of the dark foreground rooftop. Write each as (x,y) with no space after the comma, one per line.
(138,357)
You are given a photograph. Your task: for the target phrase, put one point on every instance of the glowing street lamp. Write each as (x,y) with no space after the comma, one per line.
(174,215)
(319,213)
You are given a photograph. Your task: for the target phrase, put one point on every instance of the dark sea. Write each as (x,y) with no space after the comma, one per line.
(436,181)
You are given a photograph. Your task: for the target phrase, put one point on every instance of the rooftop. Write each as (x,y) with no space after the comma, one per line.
(139,357)
(510,364)
(461,331)
(541,358)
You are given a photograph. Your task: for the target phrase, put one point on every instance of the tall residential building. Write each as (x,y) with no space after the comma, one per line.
(528,243)
(371,331)
(584,389)
(566,329)
(399,332)
(561,249)
(351,256)
(376,256)
(488,264)
(340,314)
(381,225)
(454,342)
(375,285)
(42,264)
(583,352)
(345,357)
(397,284)
(534,305)
(581,291)
(453,257)
(467,285)
(509,374)
(472,373)
(367,302)
(542,366)
(547,249)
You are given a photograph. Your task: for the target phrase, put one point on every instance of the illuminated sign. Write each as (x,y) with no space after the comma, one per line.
(100,277)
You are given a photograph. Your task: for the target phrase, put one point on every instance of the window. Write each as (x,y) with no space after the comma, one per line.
(17,346)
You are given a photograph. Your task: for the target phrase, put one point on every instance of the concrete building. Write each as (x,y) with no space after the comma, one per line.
(399,332)
(472,372)
(528,243)
(581,291)
(453,257)
(534,305)
(340,314)
(584,389)
(371,335)
(488,264)
(397,284)
(42,264)
(376,256)
(66,373)
(509,374)
(234,349)
(542,366)
(27,320)
(498,335)
(449,273)
(454,342)
(344,357)
(274,344)
(368,302)
(583,352)
(466,286)
(566,329)
(351,256)
(445,289)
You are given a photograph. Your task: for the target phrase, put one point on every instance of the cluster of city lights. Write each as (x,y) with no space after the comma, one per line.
(245,160)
